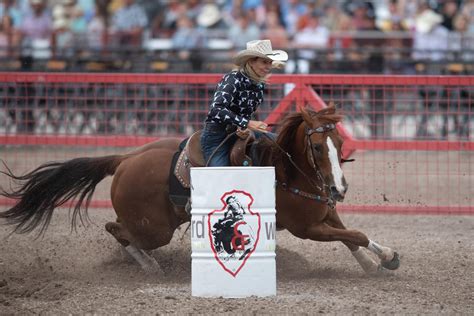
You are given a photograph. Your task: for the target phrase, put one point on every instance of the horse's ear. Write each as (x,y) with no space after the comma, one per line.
(331,108)
(332,111)
(306,116)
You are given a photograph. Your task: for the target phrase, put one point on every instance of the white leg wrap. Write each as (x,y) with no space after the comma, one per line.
(366,262)
(147,262)
(384,253)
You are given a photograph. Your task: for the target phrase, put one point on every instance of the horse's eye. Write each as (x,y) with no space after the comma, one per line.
(318,148)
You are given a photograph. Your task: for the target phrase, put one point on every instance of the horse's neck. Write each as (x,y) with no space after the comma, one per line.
(265,155)
(262,153)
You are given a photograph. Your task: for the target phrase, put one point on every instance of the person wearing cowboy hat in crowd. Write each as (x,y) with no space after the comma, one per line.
(238,95)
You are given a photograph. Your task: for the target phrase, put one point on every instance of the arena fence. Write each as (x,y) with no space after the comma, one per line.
(412,136)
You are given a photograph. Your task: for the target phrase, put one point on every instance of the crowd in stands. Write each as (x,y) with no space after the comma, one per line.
(342,32)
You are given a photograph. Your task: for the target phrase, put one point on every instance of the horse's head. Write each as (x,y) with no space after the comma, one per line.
(323,147)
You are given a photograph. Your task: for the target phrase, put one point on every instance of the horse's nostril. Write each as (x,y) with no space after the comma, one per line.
(335,194)
(334,190)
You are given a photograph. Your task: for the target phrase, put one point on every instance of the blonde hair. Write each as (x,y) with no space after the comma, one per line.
(249,72)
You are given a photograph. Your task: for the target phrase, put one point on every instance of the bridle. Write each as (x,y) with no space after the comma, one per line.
(324,199)
(308,132)
(325,188)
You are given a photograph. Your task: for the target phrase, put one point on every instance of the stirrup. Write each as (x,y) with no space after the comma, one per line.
(188,207)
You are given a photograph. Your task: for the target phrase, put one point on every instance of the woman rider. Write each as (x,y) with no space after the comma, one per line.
(237,97)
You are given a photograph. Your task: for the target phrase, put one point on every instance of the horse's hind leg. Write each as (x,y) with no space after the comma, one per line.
(147,262)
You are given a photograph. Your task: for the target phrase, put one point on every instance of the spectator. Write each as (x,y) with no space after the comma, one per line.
(193,8)
(163,24)
(343,55)
(468,11)
(257,9)
(71,14)
(430,39)
(97,28)
(362,15)
(275,32)
(5,35)
(430,44)
(312,37)
(462,40)
(10,20)
(36,38)
(332,17)
(273,7)
(187,40)
(393,20)
(243,31)
(128,24)
(292,11)
(398,56)
(68,22)
(232,10)
(210,21)
(10,8)
(157,29)
(449,11)
(371,50)
(371,46)
(36,33)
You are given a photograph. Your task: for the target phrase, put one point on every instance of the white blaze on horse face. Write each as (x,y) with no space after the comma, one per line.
(335,166)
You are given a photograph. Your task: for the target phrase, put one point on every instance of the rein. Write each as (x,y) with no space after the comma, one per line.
(220,145)
(308,132)
(327,199)
(330,202)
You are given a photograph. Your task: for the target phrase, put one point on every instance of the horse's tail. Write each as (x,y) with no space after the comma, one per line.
(50,186)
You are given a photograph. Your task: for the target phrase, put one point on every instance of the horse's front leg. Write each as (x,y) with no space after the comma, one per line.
(351,238)
(326,231)
(389,258)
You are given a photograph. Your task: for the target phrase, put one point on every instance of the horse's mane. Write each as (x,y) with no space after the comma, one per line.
(272,155)
(289,126)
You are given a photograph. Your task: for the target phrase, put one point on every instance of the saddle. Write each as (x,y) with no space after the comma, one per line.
(191,156)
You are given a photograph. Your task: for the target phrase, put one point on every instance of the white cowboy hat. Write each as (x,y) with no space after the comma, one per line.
(60,23)
(262,49)
(209,15)
(427,20)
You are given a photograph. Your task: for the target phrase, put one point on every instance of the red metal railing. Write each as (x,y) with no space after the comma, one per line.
(412,136)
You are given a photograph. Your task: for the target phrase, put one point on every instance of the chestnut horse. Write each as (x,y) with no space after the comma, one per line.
(307,160)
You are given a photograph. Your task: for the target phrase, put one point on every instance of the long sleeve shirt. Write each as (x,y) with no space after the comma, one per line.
(235,99)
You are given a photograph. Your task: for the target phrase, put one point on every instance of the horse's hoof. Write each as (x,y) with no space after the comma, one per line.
(153,269)
(392,264)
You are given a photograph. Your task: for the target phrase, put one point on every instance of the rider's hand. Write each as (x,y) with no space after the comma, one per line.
(243,133)
(258,126)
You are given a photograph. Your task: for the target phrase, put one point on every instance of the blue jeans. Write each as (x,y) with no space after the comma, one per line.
(212,136)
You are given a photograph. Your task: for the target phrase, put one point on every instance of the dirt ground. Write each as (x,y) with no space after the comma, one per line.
(87,273)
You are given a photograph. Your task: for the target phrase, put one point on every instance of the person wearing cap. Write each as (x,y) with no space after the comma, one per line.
(238,95)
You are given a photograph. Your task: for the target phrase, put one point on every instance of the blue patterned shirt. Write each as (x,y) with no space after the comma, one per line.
(235,100)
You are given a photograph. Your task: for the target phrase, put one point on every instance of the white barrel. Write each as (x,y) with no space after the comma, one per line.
(233,231)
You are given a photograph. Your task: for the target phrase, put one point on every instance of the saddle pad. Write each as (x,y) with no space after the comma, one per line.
(182,169)
(178,194)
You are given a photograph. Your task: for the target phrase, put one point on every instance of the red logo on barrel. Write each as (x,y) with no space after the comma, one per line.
(234,231)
